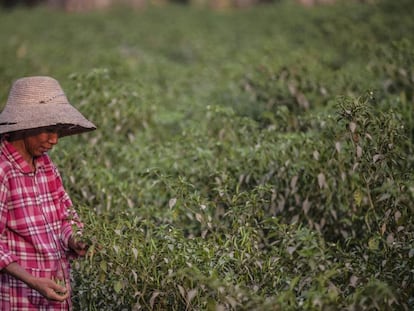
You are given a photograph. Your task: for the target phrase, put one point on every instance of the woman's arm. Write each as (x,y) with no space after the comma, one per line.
(46,287)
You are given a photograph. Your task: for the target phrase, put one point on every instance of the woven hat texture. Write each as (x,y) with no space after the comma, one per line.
(36,102)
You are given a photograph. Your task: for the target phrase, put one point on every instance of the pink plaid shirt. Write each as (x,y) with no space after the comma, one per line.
(35,225)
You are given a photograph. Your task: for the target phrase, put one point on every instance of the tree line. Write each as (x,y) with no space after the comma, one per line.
(88,5)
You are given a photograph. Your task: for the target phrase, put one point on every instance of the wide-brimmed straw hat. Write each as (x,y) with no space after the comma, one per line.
(37,102)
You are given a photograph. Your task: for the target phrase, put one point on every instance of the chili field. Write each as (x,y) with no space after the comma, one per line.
(250,159)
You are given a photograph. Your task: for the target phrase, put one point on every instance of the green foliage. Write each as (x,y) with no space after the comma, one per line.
(245,160)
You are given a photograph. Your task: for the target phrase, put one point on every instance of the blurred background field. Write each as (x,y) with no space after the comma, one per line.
(256,158)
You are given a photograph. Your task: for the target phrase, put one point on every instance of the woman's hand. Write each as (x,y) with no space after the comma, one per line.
(79,247)
(46,287)
(50,289)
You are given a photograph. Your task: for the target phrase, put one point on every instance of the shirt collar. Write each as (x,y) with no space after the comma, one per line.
(14,157)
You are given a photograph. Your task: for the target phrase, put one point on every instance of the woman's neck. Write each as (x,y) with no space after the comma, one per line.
(21,148)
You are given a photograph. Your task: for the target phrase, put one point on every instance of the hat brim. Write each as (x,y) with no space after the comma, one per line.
(62,130)
(66,119)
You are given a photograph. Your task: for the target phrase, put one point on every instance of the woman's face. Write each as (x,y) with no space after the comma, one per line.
(38,143)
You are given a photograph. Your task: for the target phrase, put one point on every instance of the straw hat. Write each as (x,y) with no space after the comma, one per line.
(36,102)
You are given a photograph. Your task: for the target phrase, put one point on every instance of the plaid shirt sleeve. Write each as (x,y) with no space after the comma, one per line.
(70,217)
(5,256)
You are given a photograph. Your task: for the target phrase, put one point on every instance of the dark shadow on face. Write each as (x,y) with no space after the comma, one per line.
(17,135)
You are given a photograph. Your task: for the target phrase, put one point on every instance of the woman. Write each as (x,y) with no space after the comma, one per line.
(36,214)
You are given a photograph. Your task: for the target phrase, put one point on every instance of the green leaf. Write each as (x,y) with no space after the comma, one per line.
(118,286)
